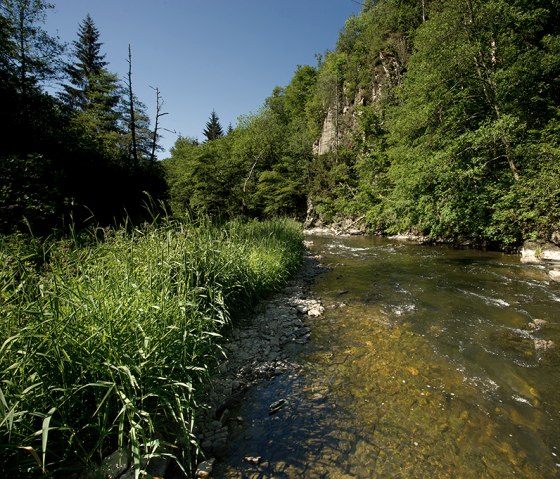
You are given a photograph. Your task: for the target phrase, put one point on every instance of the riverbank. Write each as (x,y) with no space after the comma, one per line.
(258,349)
(544,253)
(109,338)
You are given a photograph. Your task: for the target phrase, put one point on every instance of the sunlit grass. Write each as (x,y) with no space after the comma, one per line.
(107,341)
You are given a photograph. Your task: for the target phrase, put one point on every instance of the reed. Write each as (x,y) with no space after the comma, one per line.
(107,340)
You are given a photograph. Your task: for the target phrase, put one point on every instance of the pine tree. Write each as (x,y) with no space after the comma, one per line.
(34,53)
(213,128)
(92,90)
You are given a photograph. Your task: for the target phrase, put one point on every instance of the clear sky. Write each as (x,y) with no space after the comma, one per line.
(204,55)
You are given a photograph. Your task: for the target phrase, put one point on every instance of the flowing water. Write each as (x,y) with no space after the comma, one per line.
(424,365)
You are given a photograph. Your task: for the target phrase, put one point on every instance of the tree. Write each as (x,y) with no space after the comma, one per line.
(34,54)
(204,178)
(155,135)
(136,136)
(132,116)
(213,128)
(476,100)
(89,63)
(92,93)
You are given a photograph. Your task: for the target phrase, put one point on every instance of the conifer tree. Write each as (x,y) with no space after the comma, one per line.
(92,90)
(213,128)
(31,54)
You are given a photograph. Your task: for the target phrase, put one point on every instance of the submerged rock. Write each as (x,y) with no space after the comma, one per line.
(276,406)
(516,341)
(537,324)
(543,344)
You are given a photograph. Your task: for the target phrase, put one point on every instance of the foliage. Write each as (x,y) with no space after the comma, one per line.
(60,159)
(441,116)
(460,134)
(107,339)
(34,55)
(259,169)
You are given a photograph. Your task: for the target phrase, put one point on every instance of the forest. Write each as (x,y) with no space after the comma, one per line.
(86,151)
(432,117)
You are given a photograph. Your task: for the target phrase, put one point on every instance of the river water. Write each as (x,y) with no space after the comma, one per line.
(424,365)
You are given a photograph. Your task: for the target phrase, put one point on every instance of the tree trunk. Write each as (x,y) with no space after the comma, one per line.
(23,66)
(132,118)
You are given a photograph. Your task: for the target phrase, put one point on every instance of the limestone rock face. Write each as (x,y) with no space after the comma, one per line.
(342,120)
(343,113)
(329,137)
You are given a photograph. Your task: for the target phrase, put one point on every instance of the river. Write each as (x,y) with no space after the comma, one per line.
(429,361)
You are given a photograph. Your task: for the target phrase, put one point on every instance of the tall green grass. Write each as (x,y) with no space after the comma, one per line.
(107,341)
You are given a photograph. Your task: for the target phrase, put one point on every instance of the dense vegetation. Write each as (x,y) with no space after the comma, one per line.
(438,117)
(85,151)
(259,169)
(106,338)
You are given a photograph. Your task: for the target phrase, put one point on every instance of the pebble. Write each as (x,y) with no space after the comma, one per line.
(537,324)
(255,353)
(276,406)
(204,469)
(543,344)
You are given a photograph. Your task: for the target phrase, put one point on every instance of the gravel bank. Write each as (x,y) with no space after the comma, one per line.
(259,348)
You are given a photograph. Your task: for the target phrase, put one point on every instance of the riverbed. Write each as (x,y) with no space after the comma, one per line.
(429,361)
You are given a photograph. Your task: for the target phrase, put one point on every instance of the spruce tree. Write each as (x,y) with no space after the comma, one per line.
(213,128)
(92,90)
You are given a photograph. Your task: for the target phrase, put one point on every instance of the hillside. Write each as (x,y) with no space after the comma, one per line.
(439,118)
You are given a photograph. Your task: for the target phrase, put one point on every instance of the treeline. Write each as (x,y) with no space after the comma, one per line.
(438,117)
(85,151)
(258,169)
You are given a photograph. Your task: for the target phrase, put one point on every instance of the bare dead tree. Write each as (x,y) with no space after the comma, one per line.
(159,114)
(132,116)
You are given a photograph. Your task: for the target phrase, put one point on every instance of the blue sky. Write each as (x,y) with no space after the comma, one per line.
(204,55)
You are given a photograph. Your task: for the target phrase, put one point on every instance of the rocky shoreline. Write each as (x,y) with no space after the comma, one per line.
(544,253)
(259,348)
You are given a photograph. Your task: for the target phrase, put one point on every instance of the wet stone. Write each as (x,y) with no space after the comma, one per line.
(537,324)
(256,351)
(276,406)
(115,464)
(205,468)
(543,344)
